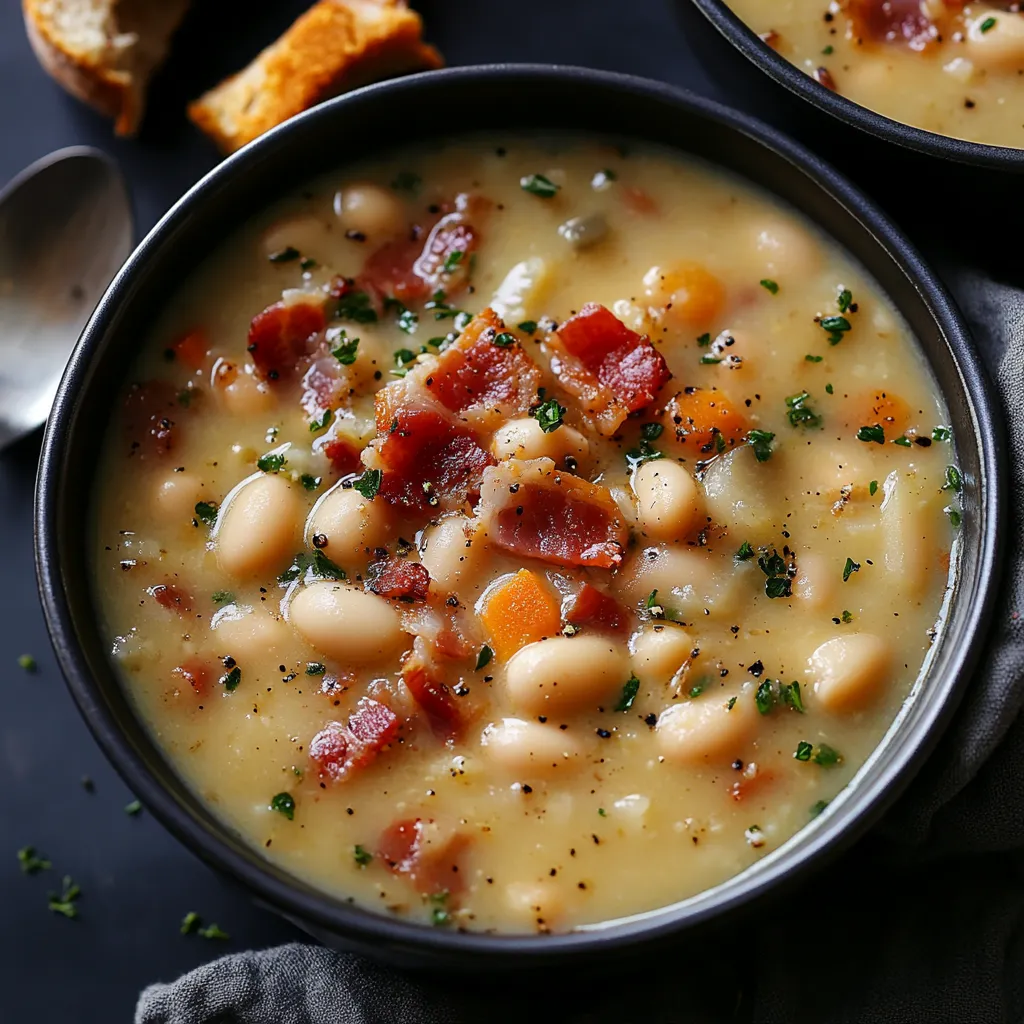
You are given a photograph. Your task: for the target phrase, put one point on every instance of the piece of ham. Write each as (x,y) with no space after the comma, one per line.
(612,370)
(151,419)
(431,693)
(398,579)
(340,748)
(594,608)
(533,509)
(893,21)
(425,853)
(279,337)
(483,383)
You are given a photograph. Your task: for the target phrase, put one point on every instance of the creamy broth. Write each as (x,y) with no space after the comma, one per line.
(947,67)
(510,751)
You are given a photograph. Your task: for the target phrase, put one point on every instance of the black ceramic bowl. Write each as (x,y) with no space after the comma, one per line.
(909,168)
(495,98)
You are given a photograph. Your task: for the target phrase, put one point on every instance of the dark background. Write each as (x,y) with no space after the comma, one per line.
(137,882)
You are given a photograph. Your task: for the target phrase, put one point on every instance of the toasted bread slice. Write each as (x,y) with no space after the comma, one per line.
(335,46)
(104,51)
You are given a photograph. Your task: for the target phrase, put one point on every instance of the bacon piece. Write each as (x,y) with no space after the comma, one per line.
(398,578)
(324,385)
(536,511)
(151,413)
(613,370)
(278,336)
(192,349)
(431,694)
(593,607)
(339,749)
(893,21)
(475,376)
(429,463)
(410,269)
(342,453)
(194,674)
(172,597)
(425,853)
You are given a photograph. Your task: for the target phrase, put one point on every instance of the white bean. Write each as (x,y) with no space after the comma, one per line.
(736,492)
(254,637)
(529,748)
(850,671)
(660,651)
(910,529)
(257,528)
(523,291)
(816,581)
(1001,45)
(668,498)
(247,396)
(304,232)
(706,730)
(785,248)
(524,439)
(352,525)
(371,210)
(565,674)
(541,903)
(688,579)
(346,624)
(452,557)
(175,497)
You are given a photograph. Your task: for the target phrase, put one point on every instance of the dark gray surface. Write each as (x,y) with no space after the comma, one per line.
(137,882)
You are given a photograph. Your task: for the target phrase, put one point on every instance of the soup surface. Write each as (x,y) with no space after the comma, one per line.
(945,66)
(520,534)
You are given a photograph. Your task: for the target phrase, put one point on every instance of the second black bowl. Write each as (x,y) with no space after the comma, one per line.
(492,99)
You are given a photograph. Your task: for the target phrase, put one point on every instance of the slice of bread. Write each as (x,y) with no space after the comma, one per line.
(104,51)
(335,46)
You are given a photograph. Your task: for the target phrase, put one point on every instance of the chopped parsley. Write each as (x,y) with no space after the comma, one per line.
(212,931)
(315,668)
(844,301)
(941,433)
(323,423)
(954,481)
(285,255)
(357,307)
(651,431)
(300,563)
(770,285)
(283,803)
(698,687)
(799,414)
(761,442)
(189,923)
(406,320)
(484,657)
(361,855)
(452,260)
(30,862)
(814,359)
(730,704)
(829,50)
(322,566)
(710,360)
(789,694)
(406,181)
(987,25)
(828,389)
(368,484)
(548,414)
(271,462)
(538,185)
(629,692)
(439,913)
(402,358)
(529,326)
(27,663)
(134,808)
(817,808)
(504,340)
(64,901)
(206,512)
(955,518)
(903,442)
(777,581)
(803,751)
(873,433)
(223,597)
(231,679)
(643,452)
(602,812)
(347,350)
(826,756)
(847,616)
(873,488)
(835,327)
(850,568)
(310,482)
(764,697)
(743,553)
(307,263)
(704,340)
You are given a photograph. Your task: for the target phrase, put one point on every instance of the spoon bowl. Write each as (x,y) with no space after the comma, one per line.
(65,229)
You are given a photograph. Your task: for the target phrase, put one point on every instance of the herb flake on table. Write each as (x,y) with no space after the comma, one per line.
(64,901)
(213,931)
(27,663)
(32,863)
(133,808)
(189,923)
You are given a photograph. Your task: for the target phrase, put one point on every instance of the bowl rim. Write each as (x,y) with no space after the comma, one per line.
(788,75)
(297,901)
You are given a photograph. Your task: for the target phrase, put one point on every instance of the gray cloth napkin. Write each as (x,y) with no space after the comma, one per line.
(923,921)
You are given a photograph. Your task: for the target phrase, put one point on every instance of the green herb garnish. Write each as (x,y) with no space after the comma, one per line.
(817,808)
(222,597)
(850,568)
(548,414)
(629,692)
(135,807)
(873,433)
(744,552)
(761,442)
(315,668)
(453,260)
(651,431)
(941,433)
(528,326)
(826,756)
(835,327)
(368,484)
(803,751)
(30,862)
(271,462)
(283,803)
(764,697)
(206,512)
(504,339)
(777,581)
(846,616)
(323,566)
(814,359)
(954,481)
(361,855)
(310,482)
(64,902)
(987,25)
(285,255)
(347,350)
(231,679)
(315,426)
(439,913)
(27,663)
(538,185)
(357,307)
(484,657)
(772,286)
(799,414)
(873,488)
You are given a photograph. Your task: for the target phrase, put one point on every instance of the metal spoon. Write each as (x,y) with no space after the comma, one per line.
(65,229)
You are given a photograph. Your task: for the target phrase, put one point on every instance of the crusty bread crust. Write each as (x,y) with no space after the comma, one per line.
(118,92)
(335,46)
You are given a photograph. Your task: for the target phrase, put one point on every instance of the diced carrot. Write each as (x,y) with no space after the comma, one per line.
(695,296)
(705,421)
(519,612)
(639,200)
(192,349)
(889,410)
